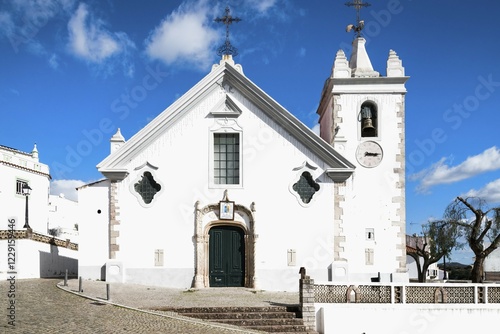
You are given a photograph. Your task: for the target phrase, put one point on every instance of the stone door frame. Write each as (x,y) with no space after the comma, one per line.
(201,240)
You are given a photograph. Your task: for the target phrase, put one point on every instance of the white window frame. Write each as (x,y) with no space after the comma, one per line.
(315,174)
(227,126)
(146,167)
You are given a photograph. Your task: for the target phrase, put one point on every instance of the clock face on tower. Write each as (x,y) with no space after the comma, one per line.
(369,154)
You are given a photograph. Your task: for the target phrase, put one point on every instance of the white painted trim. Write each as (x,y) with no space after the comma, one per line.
(146,167)
(311,169)
(224,125)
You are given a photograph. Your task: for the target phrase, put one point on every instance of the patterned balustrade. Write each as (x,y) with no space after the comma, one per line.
(28,234)
(494,294)
(446,293)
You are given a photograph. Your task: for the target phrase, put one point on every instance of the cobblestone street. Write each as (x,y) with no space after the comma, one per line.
(42,307)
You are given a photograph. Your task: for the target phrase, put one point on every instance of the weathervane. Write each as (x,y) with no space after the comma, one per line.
(358,4)
(227,49)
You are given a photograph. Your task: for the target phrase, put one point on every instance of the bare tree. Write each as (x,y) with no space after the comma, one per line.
(483,223)
(438,240)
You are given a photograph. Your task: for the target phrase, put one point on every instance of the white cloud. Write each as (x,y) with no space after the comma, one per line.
(275,10)
(22,20)
(490,192)
(184,36)
(7,24)
(66,187)
(442,173)
(54,61)
(88,39)
(262,6)
(91,41)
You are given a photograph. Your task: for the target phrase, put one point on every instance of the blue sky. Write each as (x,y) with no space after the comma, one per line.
(72,72)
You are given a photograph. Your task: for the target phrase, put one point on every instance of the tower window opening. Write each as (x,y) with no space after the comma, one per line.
(368,120)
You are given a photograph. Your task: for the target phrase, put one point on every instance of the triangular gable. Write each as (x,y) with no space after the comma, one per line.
(113,167)
(226,107)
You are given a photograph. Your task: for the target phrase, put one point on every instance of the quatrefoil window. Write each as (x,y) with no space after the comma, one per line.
(306,187)
(147,187)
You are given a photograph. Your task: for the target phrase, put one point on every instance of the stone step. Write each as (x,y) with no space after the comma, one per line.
(260,322)
(272,319)
(231,309)
(306,332)
(241,316)
(280,329)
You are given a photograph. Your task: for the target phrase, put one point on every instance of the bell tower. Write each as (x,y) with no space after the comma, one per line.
(362,115)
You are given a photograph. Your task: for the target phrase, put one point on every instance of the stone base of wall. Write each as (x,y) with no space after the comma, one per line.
(35,259)
(405,319)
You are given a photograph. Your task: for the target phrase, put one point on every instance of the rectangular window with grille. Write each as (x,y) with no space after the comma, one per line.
(19,186)
(226,158)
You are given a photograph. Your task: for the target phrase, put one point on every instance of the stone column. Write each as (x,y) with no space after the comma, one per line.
(306,300)
(199,242)
(254,283)
(114,221)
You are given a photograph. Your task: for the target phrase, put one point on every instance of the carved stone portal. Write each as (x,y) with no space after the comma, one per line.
(207,217)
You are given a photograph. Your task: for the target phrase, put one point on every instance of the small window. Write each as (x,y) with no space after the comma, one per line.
(19,186)
(306,187)
(226,158)
(370,234)
(147,187)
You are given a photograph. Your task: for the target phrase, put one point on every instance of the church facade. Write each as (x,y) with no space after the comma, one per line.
(227,188)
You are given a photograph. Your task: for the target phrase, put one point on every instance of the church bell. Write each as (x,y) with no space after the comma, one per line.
(367,128)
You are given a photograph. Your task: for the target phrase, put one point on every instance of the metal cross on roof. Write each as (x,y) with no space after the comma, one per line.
(358,4)
(227,48)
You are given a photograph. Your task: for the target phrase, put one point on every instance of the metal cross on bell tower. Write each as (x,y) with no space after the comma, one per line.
(358,4)
(227,49)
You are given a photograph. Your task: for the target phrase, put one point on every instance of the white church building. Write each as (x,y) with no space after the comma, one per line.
(226,187)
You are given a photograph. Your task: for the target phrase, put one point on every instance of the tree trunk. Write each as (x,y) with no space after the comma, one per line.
(477,270)
(422,274)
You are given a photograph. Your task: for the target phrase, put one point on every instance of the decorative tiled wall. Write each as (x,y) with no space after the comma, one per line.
(408,294)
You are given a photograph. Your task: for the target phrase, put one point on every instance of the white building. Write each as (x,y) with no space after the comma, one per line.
(16,169)
(35,253)
(63,219)
(93,212)
(227,188)
(492,266)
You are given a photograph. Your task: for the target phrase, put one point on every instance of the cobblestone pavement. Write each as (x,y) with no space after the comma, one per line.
(146,297)
(43,307)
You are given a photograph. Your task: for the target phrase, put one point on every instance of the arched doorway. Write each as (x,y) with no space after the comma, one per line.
(226,256)
(205,221)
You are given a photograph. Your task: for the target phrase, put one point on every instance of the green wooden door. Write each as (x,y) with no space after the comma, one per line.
(227,256)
